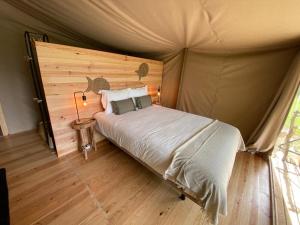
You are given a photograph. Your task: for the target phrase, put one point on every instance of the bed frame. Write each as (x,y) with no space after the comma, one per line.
(66,69)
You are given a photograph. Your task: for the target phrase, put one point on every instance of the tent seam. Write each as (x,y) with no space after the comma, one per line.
(185,53)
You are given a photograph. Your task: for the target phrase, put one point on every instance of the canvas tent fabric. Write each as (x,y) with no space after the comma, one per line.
(223,59)
(235,89)
(265,135)
(164,27)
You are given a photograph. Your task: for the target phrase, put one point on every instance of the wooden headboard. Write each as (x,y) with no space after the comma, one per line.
(64,70)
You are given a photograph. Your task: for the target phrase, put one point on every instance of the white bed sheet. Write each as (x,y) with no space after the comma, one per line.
(197,153)
(151,134)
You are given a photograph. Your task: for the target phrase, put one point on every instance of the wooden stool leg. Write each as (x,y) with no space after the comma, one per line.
(84,141)
(85,154)
(87,135)
(81,138)
(94,144)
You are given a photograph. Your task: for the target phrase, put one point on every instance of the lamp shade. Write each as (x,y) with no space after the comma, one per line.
(84,100)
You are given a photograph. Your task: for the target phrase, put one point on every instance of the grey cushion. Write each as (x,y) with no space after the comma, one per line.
(143,101)
(123,106)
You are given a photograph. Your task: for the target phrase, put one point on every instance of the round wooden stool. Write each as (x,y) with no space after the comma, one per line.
(86,129)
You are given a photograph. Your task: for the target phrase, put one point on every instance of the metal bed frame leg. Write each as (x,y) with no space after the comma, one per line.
(182,197)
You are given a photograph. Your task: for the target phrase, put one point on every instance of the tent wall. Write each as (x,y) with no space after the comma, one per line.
(264,138)
(235,89)
(171,80)
(16,86)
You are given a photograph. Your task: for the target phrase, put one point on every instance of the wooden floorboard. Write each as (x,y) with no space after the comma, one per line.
(286,179)
(112,188)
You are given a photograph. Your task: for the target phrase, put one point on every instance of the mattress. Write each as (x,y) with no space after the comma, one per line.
(195,152)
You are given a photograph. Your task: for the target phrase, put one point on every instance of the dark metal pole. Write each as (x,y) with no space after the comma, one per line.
(37,81)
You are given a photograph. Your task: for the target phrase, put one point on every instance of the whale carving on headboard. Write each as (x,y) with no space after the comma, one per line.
(97,84)
(143,70)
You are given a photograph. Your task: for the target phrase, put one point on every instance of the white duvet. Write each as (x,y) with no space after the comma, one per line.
(195,152)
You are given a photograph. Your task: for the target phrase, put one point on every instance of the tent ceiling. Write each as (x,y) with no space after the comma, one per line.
(164,27)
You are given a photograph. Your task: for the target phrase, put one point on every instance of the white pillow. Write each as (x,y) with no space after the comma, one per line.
(103,98)
(113,95)
(105,93)
(138,92)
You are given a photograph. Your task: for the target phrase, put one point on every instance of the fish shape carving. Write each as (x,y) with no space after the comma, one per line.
(97,84)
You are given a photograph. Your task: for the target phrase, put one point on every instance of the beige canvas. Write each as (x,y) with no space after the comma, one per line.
(264,137)
(234,89)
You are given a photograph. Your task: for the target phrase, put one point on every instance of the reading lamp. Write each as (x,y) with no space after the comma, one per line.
(83,100)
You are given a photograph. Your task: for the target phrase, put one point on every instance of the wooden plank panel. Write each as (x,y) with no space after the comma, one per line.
(69,52)
(66,88)
(64,70)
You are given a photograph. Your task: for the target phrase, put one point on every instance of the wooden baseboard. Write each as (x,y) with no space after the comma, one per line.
(23,132)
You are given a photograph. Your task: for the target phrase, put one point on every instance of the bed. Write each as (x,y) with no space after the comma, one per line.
(195,153)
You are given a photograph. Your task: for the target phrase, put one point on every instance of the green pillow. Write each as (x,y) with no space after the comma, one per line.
(123,106)
(143,101)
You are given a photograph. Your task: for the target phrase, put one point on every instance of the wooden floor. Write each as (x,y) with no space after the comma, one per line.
(286,179)
(112,188)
